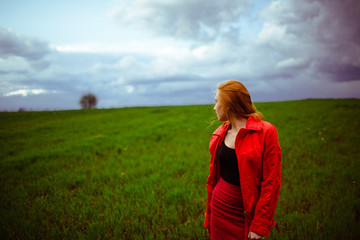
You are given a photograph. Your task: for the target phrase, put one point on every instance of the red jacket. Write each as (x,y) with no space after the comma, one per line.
(259,159)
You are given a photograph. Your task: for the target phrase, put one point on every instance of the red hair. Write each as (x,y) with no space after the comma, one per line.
(236,99)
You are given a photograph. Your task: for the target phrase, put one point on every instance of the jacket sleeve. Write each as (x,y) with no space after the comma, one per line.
(270,185)
(210,180)
(207,213)
(209,190)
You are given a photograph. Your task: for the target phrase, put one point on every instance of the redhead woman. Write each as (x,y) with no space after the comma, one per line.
(245,166)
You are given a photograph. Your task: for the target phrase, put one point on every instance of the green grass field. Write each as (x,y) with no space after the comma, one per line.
(140,173)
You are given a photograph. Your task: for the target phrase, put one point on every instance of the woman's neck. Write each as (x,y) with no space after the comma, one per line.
(237,123)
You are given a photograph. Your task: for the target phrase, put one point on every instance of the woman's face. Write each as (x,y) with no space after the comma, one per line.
(219,109)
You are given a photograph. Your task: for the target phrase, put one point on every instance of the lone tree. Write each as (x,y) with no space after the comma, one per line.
(88,101)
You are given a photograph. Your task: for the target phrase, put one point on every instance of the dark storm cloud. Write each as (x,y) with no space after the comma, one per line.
(192,19)
(33,50)
(325,33)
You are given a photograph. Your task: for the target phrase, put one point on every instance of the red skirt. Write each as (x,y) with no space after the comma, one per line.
(227,219)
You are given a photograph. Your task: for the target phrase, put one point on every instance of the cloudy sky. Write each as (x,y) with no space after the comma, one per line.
(169,52)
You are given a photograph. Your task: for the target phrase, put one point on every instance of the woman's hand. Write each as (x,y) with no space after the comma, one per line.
(254,236)
(208,231)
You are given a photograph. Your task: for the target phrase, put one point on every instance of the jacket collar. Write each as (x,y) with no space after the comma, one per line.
(254,125)
(251,124)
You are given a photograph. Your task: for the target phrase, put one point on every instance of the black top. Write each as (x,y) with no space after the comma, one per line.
(228,164)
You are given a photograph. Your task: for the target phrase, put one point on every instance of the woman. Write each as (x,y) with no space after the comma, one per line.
(244,181)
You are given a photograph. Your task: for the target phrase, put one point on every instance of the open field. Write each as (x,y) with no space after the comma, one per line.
(140,173)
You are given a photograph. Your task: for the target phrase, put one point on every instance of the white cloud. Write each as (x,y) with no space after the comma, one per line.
(129,89)
(185,19)
(271,33)
(14,64)
(26,92)
(291,62)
